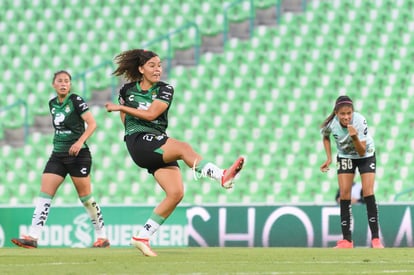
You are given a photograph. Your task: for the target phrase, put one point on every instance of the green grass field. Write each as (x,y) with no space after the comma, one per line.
(207,261)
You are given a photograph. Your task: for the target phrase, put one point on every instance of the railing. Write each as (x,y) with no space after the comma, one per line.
(82,77)
(168,38)
(409,192)
(278,11)
(278,5)
(226,21)
(252,16)
(18,104)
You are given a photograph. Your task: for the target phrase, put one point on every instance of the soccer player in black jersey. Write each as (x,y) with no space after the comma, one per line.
(143,105)
(71,156)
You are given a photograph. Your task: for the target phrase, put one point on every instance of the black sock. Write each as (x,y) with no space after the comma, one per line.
(345,206)
(372,213)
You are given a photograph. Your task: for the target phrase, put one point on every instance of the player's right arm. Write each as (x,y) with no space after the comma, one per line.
(327,146)
(122,116)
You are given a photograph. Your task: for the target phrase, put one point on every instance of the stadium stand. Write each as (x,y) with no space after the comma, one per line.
(263,95)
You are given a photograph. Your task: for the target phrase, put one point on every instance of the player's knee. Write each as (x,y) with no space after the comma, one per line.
(185,147)
(176,195)
(345,195)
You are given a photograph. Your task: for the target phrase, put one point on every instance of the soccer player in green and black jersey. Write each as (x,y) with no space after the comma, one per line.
(70,156)
(144,103)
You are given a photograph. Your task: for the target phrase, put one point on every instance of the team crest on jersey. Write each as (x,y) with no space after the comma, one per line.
(59,118)
(67,109)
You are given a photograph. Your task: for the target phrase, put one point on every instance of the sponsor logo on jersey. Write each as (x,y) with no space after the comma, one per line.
(58,119)
(83,106)
(84,170)
(159,137)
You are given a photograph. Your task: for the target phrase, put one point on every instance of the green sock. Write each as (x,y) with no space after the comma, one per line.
(151,226)
(199,167)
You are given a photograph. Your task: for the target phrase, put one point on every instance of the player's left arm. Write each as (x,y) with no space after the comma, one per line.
(91,127)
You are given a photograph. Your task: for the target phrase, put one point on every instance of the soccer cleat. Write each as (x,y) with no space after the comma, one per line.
(144,246)
(344,244)
(227,180)
(101,243)
(25,241)
(376,243)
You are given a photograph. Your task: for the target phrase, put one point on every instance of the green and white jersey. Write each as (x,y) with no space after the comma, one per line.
(346,148)
(132,95)
(67,121)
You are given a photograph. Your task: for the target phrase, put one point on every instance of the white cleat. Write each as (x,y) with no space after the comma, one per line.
(144,246)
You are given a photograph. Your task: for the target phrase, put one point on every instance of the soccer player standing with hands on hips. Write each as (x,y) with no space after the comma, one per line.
(71,156)
(143,105)
(355,150)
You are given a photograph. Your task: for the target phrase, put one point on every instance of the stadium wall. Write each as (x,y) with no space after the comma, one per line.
(226,226)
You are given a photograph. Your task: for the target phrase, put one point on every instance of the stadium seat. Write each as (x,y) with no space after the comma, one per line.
(273,89)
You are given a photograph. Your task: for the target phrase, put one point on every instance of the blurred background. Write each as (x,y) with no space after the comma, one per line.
(251,77)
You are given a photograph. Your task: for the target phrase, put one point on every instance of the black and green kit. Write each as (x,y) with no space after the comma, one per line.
(67,121)
(132,95)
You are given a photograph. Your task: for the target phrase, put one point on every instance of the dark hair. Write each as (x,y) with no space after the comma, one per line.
(61,72)
(129,61)
(342,100)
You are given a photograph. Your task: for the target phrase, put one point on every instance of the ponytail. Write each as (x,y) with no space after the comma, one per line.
(328,119)
(129,61)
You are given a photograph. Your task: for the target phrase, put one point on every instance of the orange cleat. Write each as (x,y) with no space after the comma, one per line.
(101,243)
(25,241)
(344,244)
(227,180)
(376,243)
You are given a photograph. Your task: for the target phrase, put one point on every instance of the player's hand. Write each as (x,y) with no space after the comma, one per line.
(75,148)
(325,166)
(351,130)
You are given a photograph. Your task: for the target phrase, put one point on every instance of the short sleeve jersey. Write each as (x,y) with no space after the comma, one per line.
(67,121)
(132,95)
(344,143)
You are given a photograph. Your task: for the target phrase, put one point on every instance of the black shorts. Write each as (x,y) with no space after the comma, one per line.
(145,151)
(348,166)
(62,164)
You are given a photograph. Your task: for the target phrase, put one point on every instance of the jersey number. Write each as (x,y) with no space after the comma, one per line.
(346,164)
(148,137)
